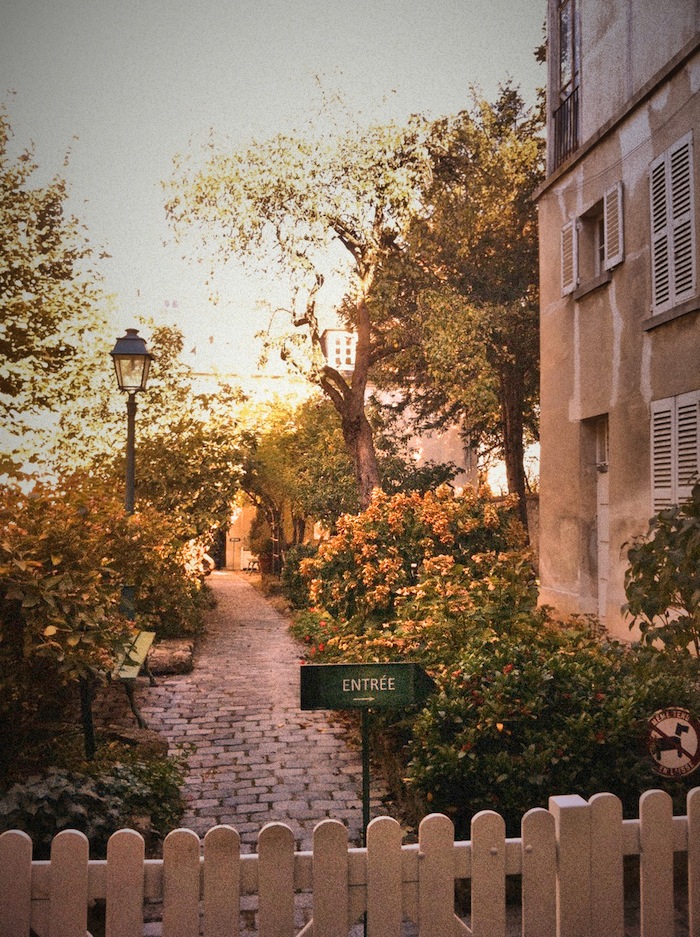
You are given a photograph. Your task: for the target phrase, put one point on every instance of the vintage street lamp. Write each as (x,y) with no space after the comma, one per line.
(132,362)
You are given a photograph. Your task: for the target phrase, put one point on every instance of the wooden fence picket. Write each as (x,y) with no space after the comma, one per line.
(124,889)
(572,820)
(68,892)
(607,881)
(539,874)
(15,883)
(181,884)
(656,864)
(222,882)
(693,808)
(384,878)
(488,832)
(436,893)
(276,881)
(331,900)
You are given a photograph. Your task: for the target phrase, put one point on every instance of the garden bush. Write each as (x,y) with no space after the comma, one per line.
(526,707)
(543,710)
(662,582)
(59,597)
(294,587)
(171,595)
(448,607)
(97,798)
(362,572)
(45,804)
(65,550)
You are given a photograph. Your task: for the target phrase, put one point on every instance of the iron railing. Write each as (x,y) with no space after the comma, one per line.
(566,128)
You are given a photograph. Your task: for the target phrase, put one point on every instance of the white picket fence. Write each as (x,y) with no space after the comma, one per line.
(569,860)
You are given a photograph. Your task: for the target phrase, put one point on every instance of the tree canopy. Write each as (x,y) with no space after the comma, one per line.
(49,293)
(308,202)
(457,303)
(438,236)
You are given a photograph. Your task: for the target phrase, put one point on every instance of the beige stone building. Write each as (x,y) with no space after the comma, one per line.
(620,303)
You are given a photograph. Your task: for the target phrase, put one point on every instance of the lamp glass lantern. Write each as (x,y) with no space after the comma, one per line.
(132,362)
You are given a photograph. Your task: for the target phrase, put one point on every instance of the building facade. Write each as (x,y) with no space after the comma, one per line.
(620,304)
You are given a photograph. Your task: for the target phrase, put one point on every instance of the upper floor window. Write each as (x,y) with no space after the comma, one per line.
(673,255)
(593,243)
(568,48)
(566,115)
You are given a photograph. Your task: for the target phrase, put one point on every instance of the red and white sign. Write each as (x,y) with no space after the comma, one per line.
(674,742)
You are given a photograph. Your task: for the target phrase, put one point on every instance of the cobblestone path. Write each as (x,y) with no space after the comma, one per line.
(257,757)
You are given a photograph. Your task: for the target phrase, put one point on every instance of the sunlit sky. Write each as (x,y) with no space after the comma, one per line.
(125,84)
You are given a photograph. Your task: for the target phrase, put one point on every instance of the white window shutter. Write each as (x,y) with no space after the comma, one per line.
(673,252)
(612,220)
(682,219)
(662,453)
(569,258)
(688,443)
(660,240)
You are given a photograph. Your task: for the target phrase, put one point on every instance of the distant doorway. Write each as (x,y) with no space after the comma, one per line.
(217,551)
(602,460)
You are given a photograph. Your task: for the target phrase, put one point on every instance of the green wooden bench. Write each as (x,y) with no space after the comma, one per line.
(133,660)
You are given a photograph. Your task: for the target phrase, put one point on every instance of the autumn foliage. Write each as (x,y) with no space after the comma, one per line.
(66,549)
(526,706)
(377,558)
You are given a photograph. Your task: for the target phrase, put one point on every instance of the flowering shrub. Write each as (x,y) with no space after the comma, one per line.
(317,631)
(377,556)
(447,608)
(544,710)
(526,707)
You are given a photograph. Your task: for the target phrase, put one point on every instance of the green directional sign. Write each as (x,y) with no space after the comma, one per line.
(363,686)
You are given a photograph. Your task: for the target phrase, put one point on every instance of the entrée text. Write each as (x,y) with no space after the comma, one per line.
(364,684)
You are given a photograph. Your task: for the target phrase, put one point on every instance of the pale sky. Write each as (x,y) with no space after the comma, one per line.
(125,84)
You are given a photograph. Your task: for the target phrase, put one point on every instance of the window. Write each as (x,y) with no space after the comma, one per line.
(593,243)
(340,350)
(673,265)
(675,448)
(566,113)
(568,48)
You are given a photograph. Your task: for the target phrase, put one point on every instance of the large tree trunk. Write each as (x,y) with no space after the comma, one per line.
(511,402)
(359,441)
(349,402)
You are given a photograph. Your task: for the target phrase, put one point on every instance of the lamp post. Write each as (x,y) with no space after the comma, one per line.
(132,362)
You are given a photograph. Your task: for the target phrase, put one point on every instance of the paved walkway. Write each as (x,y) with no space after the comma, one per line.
(258,757)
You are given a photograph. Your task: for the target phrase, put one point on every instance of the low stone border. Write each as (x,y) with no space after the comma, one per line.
(171,655)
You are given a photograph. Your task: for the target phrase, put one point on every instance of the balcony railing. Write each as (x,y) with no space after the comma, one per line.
(566,128)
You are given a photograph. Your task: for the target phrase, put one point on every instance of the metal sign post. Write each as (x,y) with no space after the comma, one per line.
(364,687)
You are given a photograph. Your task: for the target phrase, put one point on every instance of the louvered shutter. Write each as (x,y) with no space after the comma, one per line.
(569,258)
(662,453)
(673,261)
(682,219)
(687,443)
(612,220)
(660,259)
